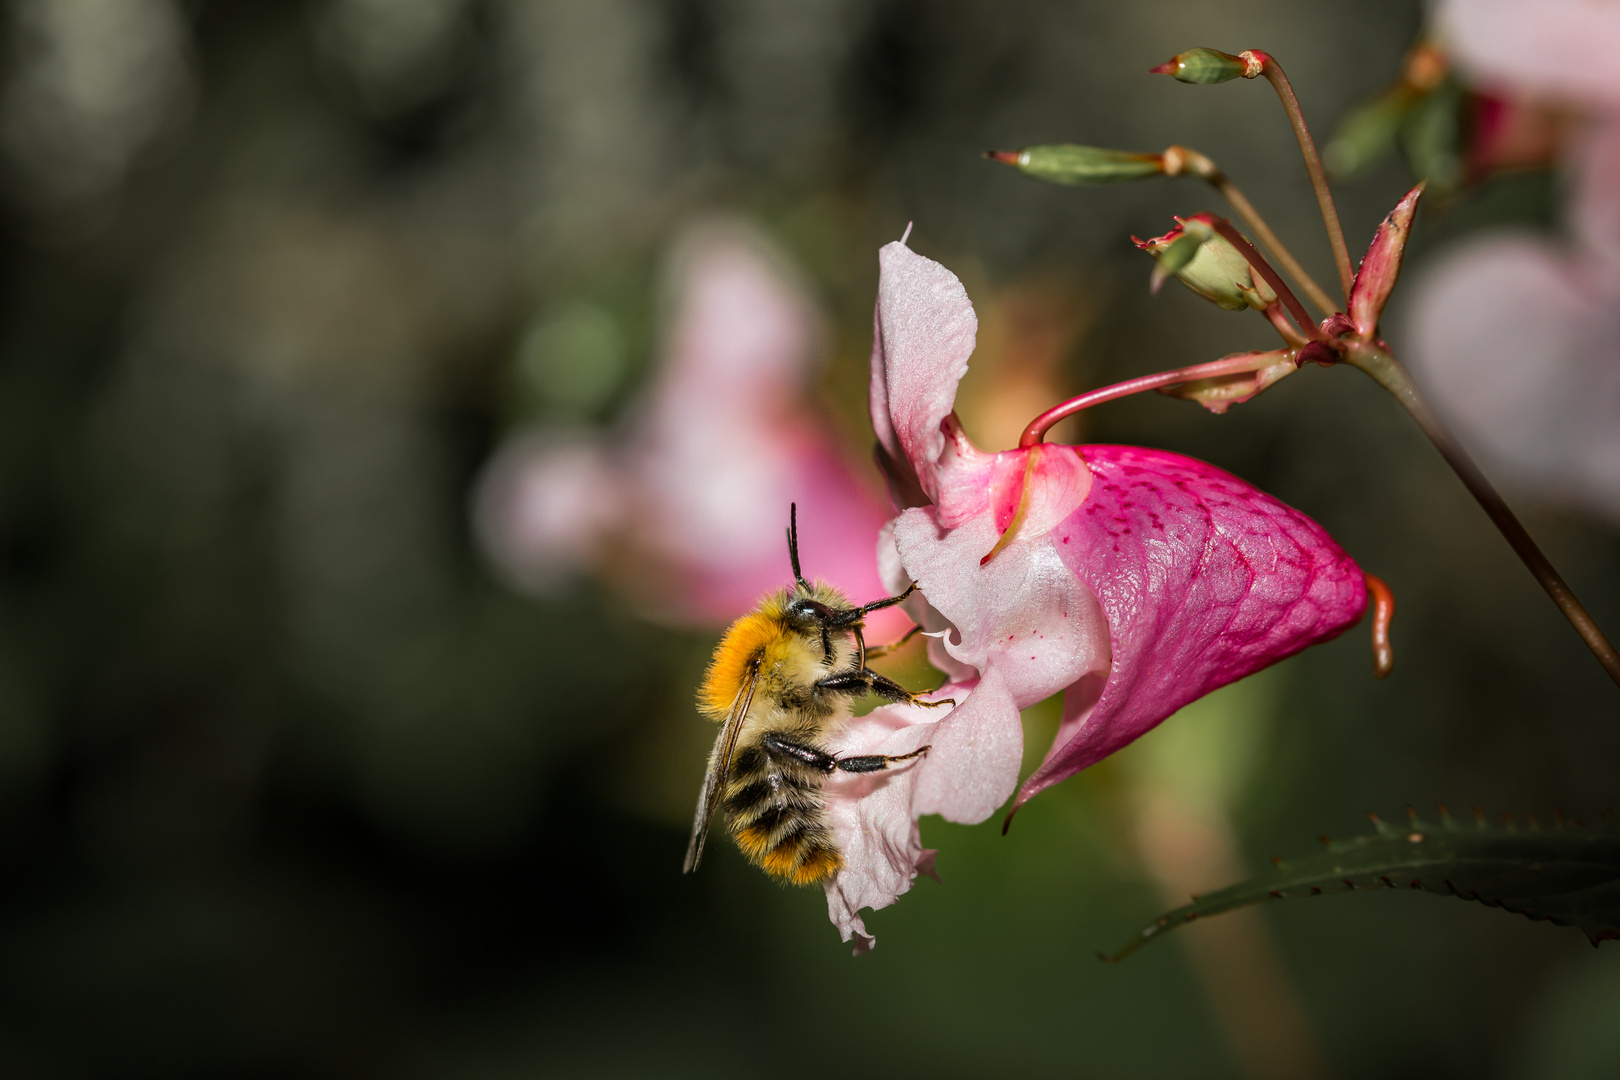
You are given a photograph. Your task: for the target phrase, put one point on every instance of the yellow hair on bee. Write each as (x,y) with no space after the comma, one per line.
(747,639)
(784,860)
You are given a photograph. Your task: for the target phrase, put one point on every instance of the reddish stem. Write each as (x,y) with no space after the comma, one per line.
(1313,161)
(1274,314)
(1039,426)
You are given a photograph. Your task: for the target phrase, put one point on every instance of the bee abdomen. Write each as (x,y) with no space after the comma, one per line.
(778,818)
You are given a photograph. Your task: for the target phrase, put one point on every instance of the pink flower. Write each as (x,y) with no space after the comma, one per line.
(1515,334)
(685,503)
(1552,49)
(1134,580)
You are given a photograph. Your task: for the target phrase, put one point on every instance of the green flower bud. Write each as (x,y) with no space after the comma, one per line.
(1204,66)
(1208,264)
(1066,163)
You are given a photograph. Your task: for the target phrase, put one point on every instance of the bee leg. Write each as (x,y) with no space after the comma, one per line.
(887,689)
(884,650)
(876,762)
(808,755)
(848,682)
(890,690)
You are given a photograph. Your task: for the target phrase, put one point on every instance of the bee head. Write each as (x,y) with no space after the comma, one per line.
(807,611)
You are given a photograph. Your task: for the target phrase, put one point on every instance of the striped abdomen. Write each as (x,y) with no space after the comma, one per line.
(776,811)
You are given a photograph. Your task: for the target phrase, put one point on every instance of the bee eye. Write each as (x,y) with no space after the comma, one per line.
(812,610)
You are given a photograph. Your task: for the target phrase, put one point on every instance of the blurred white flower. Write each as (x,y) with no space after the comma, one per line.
(1517,336)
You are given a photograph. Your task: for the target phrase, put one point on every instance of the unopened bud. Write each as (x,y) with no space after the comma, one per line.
(1204,66)
(1208,264)
(1222,392)
(1067,163)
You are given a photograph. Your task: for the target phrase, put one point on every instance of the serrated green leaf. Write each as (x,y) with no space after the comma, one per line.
(1568,874)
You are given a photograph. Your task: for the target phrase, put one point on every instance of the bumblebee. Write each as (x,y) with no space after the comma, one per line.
(782,679)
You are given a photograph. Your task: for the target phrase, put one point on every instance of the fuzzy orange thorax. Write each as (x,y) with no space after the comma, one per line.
(748,638)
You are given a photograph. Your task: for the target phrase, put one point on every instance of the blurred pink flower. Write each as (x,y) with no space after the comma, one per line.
(1551,49)
(686,501)
(1135,580)
(1516,336)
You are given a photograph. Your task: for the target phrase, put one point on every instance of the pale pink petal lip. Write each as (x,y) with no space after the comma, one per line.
(1023,620)
(872,817)
(975,757)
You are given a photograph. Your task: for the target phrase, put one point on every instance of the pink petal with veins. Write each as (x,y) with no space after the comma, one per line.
(1203,578)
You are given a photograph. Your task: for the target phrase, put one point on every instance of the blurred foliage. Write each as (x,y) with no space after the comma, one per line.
(290,786)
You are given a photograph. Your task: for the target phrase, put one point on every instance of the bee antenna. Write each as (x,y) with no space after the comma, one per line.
(793,546)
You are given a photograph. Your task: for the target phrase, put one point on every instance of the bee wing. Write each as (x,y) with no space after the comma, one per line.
(719,767)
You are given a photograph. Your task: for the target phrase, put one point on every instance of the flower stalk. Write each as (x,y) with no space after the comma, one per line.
(1274,74)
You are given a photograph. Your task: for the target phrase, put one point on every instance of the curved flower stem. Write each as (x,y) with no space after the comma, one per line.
(1181,160)
(1039,426)
(1313,161)
(1389,373)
